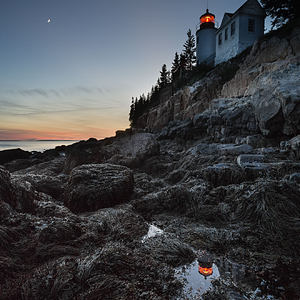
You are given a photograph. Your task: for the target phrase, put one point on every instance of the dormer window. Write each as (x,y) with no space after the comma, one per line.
(220,39)
(251,25)
(226,34)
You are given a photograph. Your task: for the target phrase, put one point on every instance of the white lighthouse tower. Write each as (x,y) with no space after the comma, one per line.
(206,39)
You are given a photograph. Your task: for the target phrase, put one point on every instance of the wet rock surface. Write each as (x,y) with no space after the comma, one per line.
(131,217)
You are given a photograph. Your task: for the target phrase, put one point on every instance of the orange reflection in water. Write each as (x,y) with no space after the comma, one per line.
(205,271)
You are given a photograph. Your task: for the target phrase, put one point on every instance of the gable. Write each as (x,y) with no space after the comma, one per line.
(226,18)
(251,7)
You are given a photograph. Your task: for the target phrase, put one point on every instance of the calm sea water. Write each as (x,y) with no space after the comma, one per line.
(33,145)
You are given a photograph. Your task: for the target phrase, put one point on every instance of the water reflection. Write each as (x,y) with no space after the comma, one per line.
(198,277)
(195,283)
(152,232)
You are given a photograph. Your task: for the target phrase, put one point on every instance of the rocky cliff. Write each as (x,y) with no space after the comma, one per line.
(214,185)
(265,90)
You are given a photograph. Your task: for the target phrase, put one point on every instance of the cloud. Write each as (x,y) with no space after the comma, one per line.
(9,104)
(72,91)
(34,92)
(33,108)
(6,134)
(62,111)
(87,90)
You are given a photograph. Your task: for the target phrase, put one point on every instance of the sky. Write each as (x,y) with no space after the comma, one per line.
(73,77)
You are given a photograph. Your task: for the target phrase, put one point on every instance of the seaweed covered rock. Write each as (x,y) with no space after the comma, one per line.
(222,174)
(51,167)
(50,185)
(19,194)
(96,186)
(24,195)
(269,207)
(292,147)
(170,199)
(114,272)
(169,250)
(6,193)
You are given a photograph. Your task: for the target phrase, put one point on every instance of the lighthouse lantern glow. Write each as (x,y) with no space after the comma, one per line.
(207,18)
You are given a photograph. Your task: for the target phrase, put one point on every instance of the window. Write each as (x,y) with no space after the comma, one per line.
(226,34)
(233,28)
(220,39)
(251,25)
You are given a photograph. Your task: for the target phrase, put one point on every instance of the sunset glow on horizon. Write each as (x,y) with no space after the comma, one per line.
(43,135)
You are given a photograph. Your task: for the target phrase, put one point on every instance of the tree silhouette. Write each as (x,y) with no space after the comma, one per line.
(132,111)
(182,62)
(164,76)
(189,50)
(282,11)
(175,67)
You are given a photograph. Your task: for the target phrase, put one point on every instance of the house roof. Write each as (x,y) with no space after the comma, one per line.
(226,18)
(249,7)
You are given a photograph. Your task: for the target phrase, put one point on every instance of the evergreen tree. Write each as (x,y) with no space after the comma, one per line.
(148,99)
(158,83)
(132,112)
(154,99)
(182,62)
(189,50)
(164,76)
(282,11)
(175,67)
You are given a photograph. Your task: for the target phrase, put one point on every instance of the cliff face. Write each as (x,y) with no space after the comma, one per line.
(267,79)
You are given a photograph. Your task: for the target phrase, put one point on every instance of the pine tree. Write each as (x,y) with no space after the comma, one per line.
(132,112)
(175,67)
(154,98)
(164,76)
(148,99)
(281,11)
(157,84)
(189,50)
(182,62)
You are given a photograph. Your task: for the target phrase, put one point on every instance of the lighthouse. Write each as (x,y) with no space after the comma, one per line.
(206,39)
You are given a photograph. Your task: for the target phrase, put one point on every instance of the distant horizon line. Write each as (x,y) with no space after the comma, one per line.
(36,140)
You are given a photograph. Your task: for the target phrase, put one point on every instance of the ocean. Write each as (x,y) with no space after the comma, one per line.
(34,145)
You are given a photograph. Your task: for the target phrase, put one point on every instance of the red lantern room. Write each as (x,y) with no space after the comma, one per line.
(207,20)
